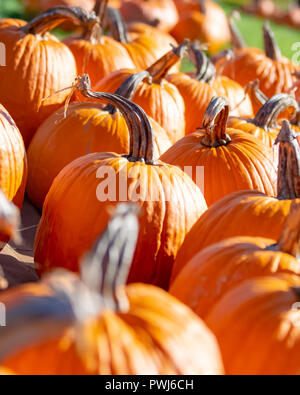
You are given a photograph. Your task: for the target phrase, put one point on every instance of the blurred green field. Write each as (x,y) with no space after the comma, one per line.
(250,26)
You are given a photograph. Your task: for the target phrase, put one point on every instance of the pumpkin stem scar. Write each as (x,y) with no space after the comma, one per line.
(288,184)
(139,126)
(215,123)
(267,116)
(271,47)
(205,70)
(160,69)
(289,241)
(53,17)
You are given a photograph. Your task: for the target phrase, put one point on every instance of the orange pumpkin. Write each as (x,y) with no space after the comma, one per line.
(274,72)
(96,54)
(159,98)
(263,215)
(87,128)
(264,126)
(81,193)
(220,267)
(224,160)
(145,45)
(257,326)
(160,14)
(197,89)
(32,55)
(99,326)
(204,21)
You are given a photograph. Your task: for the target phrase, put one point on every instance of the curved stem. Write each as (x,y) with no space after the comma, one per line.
(128,88)
(140,129)
(106,268)
(53,17)
(161,68)
(205,70)
(288,184)
(237,39)
(215,123)
(267,116)
(289,241)
(117,26)
(255,94)
(202,6)
(271,47)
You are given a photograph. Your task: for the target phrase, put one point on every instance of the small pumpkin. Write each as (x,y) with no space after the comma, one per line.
(204,21)
(161,14)
(220,267)
(86,128)
(9,222)
(159,98)
(97,54)
(257,326)
(264,126)
(98,326)
(145,45)
(224,160)
(249,213)
(197,90)
(274,72)
(80,195)
(38,65)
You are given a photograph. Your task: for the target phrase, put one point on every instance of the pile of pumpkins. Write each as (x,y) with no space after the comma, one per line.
(170,233)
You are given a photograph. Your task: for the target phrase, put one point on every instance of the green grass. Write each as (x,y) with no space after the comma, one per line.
(250,26)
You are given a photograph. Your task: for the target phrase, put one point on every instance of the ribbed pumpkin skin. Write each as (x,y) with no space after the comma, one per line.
(13,161)
(162,102)
(99,60)
(264,335)
(240,165)
(220,267)
(23,82)
(244,213)
(148,340)
(72,207)
(197,95)
(86,129)
(274,76)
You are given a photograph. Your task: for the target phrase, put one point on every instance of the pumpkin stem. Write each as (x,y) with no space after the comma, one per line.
(256,95)
(266,117)
(160,68)
(117,26)
(237,39)
(202,6)
(140,129)
(205,70)
(289,241)
(289,163)
(53,17)
(106,267)
(128,88)
(271,47)
(215,123)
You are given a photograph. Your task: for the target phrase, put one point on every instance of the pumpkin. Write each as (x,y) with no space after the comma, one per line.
(274,72)
(170,200)
(264,126)
(37,66)
(96,54)
(197,89)
(249,213)
(143,46)
(204,21)
(159,98)
(257,326)
(87,128)
(36,6)
(97,325)
(9,222)
(220,267)
(222,160)
(161,14)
